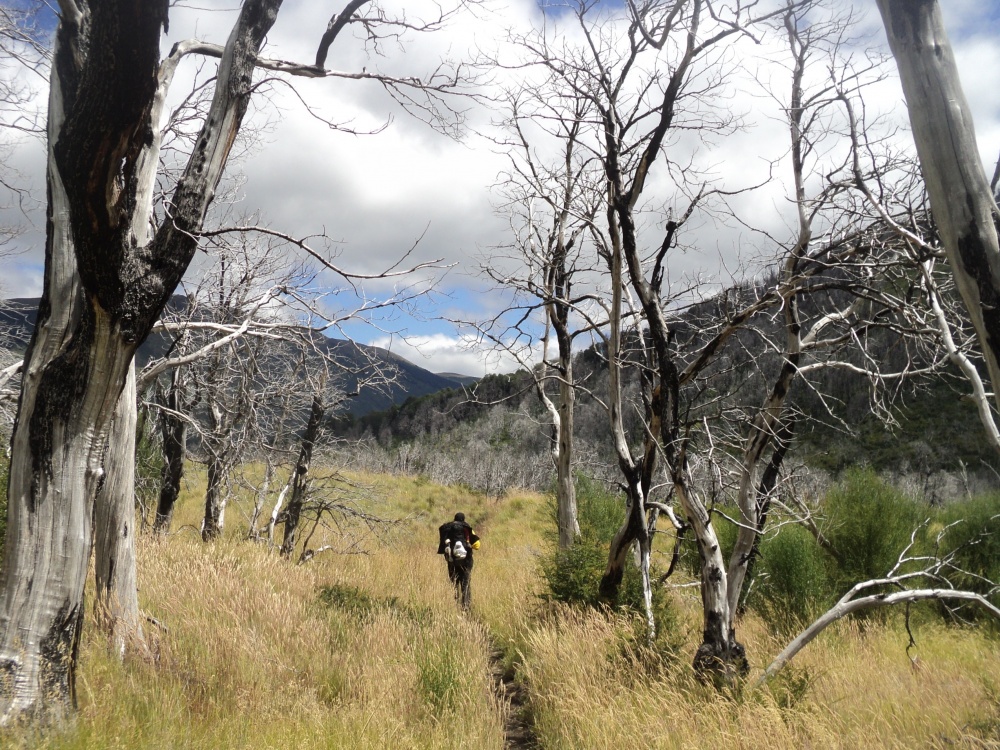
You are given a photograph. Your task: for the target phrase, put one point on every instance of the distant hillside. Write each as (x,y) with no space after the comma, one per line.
(461,379)
(936,428)
(17,320)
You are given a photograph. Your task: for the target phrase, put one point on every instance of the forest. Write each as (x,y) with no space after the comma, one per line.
(754,509)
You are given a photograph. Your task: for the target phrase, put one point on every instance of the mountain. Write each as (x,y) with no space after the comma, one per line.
(17,320)
(458,378)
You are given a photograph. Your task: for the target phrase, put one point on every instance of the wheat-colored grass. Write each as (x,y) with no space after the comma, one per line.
(253,656)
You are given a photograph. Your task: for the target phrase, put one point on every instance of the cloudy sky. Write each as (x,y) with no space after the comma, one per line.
(375,195)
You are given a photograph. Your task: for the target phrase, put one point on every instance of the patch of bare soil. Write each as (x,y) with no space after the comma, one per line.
(519,729)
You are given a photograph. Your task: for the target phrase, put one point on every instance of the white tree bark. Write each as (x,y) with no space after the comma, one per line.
(961,199)
(117,602)
(569,525)
(43,592)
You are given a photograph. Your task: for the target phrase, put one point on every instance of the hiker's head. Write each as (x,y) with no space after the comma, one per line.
(459,516)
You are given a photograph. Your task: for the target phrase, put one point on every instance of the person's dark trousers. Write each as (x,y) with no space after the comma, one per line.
(460,573)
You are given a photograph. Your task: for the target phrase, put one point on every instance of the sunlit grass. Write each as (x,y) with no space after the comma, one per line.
(371,651)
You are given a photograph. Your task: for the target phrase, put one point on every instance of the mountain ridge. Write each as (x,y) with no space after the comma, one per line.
(18,316)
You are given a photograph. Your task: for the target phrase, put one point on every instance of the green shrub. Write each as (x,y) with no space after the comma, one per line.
(599,511)
(975,541)
(573,575)
(868,523)
(790,585)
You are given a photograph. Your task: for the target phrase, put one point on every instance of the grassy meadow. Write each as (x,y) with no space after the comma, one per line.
(370,651)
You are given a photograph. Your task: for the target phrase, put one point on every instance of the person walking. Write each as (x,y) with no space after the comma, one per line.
(457,543)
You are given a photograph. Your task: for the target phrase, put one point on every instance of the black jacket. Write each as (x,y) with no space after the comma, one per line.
(457,530)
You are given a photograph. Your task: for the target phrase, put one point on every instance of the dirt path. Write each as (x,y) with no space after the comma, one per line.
(519,730)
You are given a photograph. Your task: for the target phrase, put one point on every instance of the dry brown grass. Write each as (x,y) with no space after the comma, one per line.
(255,657)
(851,689)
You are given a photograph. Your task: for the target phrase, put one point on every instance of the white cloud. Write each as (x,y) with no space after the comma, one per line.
(441,352)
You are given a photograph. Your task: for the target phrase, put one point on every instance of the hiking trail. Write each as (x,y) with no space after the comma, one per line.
(519,730)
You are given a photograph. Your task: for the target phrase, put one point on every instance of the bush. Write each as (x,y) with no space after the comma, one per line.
(573,575)
(599,511)
(868,523)
(975,540)
(791,585)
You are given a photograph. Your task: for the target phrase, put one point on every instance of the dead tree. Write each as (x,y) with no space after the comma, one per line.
(300,473)
(103,291)
(961,198)
(838,261)
(551,205)
(173,427)
(106,282)
(115,528)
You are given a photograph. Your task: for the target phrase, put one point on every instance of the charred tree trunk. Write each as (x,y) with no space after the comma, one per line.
(719,657)
(301,476)
(765,490)
(629,532)
(960,195)
(102,292)
(173,431)
(763,434)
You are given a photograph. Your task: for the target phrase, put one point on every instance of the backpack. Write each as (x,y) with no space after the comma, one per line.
(457,541)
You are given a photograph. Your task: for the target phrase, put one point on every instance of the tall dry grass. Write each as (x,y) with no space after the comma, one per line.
(370,651)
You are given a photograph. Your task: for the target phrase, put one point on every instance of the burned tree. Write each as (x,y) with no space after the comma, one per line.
(961,197)
(550,202)
(106,282)
(717,370)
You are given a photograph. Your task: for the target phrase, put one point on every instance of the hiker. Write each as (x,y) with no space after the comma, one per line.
(458,540)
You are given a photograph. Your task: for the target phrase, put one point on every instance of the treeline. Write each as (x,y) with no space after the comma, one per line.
(920,433)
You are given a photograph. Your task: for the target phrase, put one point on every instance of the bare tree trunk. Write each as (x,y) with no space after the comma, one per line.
(621,543)
(301,474)
(961,199)
(117,604)
(765,491)
(763,430)
(719,657)
(49,532)
(258,506)
(847,606)
(215,498)
(569,525)
(68,393)
(276,510)
(173,430)
(102,292)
